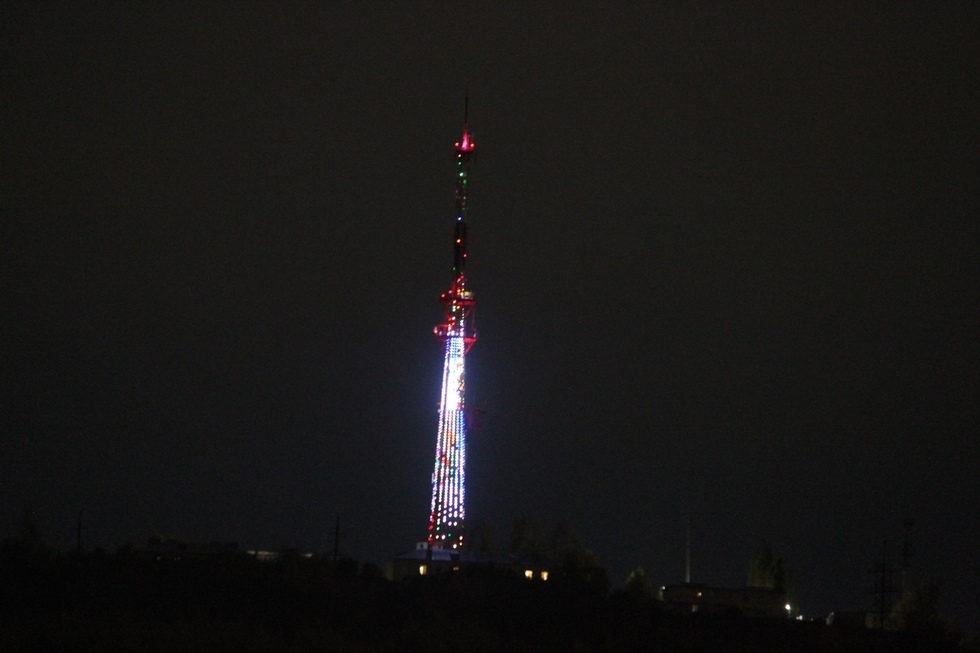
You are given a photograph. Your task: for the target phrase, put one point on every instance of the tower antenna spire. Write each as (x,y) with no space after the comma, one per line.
(448,507)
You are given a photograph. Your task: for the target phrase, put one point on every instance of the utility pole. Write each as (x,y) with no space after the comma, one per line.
(884,586)
(78,535)
(907,527)
(687,553)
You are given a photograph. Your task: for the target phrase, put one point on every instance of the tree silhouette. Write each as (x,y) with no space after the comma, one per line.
(638,583)
(769,571)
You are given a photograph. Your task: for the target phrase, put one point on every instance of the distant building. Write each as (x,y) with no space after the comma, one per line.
(276,556)
(172,548)
(424,561)
(852,619)
(748,601)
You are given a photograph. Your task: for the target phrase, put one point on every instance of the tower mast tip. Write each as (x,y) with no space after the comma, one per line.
(466,144)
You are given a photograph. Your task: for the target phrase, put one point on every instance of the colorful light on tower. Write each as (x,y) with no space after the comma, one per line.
(448,509)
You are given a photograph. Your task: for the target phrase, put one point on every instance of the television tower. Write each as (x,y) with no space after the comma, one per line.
(448,509)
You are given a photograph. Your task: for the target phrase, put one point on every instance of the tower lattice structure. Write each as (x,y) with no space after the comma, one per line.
(448,509)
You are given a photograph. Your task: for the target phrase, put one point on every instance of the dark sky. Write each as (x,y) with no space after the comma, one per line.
(726,260)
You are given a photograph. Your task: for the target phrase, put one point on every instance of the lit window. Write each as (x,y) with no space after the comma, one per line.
(544,575)
(528,574)
(421,570)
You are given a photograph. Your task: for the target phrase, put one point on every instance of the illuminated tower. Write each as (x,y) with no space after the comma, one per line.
(457,335)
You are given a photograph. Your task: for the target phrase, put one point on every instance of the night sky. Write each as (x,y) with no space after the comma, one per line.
(726,262)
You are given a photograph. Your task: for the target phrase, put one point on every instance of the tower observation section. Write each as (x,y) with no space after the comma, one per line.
(457,334)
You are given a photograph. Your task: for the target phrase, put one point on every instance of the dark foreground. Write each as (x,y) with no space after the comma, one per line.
(128,602)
